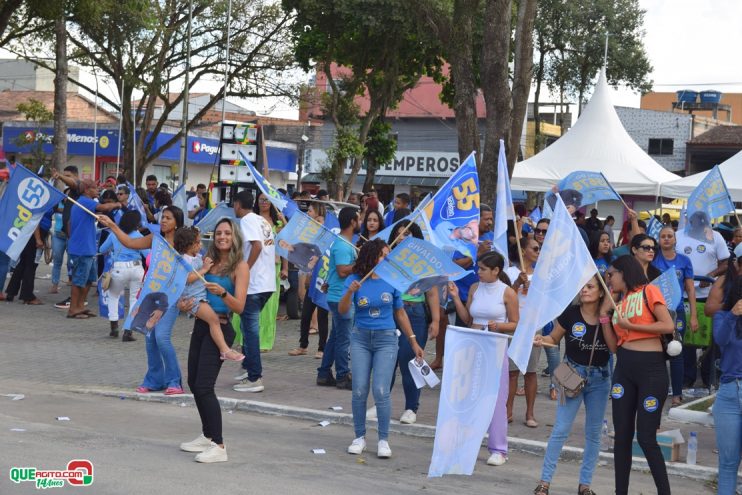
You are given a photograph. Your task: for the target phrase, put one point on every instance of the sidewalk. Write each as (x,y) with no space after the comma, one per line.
(39,345)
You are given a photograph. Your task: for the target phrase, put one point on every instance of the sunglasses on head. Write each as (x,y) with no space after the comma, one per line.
(647,247)
(540,231)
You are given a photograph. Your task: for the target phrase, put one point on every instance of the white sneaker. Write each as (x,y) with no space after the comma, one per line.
(213,454)
(358,446)
(241,376)
(497,459)
(198,445)
(371,413)
(248,386)
(383,451)
(408,417)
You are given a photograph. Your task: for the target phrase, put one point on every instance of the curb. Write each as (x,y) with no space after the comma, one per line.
(695,472)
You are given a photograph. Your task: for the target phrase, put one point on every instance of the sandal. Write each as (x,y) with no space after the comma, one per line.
(89,313)
(34,302)
(231,355)
(297,352)
(541,489)
(143,390)
(313,331)
(531,423)
(585,490)
(79,316)
(676,401)
(521,391)
(282,318)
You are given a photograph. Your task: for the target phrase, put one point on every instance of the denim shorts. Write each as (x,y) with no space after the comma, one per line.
(84,270)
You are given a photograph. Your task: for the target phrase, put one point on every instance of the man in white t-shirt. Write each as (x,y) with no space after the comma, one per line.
(260,254)
(193,205)
(709,259)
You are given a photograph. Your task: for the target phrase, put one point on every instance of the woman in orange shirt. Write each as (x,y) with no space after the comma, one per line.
(640,381)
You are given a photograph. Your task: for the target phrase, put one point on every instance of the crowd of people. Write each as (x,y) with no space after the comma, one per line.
(375,329)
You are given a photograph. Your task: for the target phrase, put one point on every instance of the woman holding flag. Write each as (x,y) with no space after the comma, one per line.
(667,259)
(163,370)
(493,305)
(640,379)
(379,309)
(588,347)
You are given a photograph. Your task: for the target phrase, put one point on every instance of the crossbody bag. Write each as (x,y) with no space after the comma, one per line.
(568,380)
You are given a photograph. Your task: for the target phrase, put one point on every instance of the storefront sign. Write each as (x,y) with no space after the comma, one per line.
(406,163)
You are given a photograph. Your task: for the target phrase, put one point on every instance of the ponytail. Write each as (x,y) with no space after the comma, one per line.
(493,260)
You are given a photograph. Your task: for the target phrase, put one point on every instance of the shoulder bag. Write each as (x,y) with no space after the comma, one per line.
(568,380)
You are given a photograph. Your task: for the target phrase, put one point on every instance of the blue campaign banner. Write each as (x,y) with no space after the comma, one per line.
(164,283)
(415,266)
(535,215)
(25,200)
(180,199)
(332,222)
(583,188)
(103,294)
(670,287)
(135,202)
(472,368)
(564,267)
(319,279)
(503,205)
(221,210)
(653,228)
(709,200)
(275,197)
(303,241)
(453,212)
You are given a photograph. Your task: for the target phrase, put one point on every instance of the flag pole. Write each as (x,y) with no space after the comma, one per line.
(517,238)
(607,292)
(83,208)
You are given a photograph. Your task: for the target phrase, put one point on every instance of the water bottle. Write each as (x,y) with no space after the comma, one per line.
(692,448)
(605,440)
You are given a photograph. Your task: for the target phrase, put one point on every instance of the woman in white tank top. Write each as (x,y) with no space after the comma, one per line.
(492,305)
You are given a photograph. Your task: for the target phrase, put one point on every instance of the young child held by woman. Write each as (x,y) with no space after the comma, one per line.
(187,243)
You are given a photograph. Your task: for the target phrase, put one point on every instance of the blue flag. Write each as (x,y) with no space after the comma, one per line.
(453,212)
(303,241)
(180,199)
(221,210)
(670,287)
(319,279)
(710,199)
(583,188)
(291,206)
(274,196)
(563,268)
(415,217)
(472,367)
(332,222)
(503,204)
(164,283)
(27,197)
(653,228)
(535,215)
(414,266)
(135,203)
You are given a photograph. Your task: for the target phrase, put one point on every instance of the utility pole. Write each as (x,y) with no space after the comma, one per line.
(186,101)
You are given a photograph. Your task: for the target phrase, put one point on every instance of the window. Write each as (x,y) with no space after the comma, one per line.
(660,147)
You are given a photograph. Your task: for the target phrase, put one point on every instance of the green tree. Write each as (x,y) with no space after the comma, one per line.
(35,111)
(381,51)
(380,150)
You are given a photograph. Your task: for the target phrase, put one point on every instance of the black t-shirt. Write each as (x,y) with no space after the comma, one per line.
(579,338)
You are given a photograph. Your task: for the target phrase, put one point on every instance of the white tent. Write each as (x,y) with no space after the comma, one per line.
(731,171)
(598,142)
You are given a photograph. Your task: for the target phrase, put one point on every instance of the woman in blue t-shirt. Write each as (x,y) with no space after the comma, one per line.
(600,250)
(668,258)
(373,342)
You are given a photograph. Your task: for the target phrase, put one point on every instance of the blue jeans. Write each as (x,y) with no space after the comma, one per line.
(728,422)
(59,246)
(373,353)
(416,314)
(163,370)
(553,358)
(4,266)
(84,270)
(336,348)
(595,396)
(250,328)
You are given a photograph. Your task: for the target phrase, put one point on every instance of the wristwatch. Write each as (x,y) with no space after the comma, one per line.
(223,294)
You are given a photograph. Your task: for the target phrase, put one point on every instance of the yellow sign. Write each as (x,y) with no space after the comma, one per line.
(103,142)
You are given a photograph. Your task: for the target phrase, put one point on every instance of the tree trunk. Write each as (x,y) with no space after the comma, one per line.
(496,91)
(358,159)
(368,182)
(537,138)
(59,157)
(522,75)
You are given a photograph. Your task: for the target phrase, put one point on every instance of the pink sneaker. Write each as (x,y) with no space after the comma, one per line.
(143,390)
(174,391)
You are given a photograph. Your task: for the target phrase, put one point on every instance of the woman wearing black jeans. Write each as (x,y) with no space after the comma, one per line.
(640,379)
(226,283)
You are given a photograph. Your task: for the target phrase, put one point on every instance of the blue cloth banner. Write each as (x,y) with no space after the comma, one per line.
(303,241)
(332,222)
(472,366)
(414,266)
(319,278)
(583,188)
(563,268)
(653,228)
(25,200)
(103,294)
(135,202)
(503,205)
(670,287)
(221,210)
(415,217)
(164,283)
(535,215)
(273,195)
(180,199)
(710,199)
(453,212)
(291,206)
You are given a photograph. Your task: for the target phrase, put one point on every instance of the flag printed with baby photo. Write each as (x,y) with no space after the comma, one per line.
(166,278)
(303,241)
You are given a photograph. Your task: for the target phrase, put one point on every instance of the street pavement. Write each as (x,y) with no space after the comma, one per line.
(42,352)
